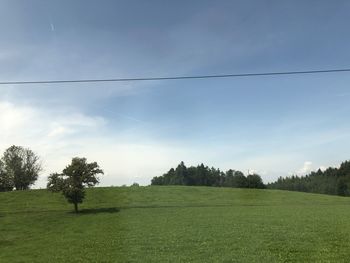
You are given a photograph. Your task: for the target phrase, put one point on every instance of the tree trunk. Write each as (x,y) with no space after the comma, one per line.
(76,207)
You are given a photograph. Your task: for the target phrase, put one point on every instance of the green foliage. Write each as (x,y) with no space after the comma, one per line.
(56,182)
(175,224)
(74,179)
(19,168)
(6,182)
(204,176)
(255,181)
(334,181)
(342,187)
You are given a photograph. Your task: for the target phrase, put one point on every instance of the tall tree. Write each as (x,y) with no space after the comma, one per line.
(254,181)
(240,180)
(74,179)
(21,166)
(342,188)
(181,175)
(6,182)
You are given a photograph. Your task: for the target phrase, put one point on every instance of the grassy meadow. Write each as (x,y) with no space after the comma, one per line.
(175,224)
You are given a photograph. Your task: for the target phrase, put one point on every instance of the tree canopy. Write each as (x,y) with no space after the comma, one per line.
(74,179)
(19,168)
(205,176)
(334,181)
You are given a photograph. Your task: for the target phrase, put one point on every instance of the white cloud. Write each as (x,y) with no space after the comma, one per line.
(49,133)
(307,168)
(323,168)
(59,130)
(58,136)
(74,123)
(22,124)
(13,120)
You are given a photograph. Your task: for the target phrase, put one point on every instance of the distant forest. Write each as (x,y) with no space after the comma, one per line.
(333,181)
(205,176)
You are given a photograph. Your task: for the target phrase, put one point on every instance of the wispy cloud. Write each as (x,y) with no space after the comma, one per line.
(59,136)
(59,130)
(47,132)
(344,94)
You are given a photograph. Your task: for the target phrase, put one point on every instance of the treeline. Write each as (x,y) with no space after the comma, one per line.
(205,176)
(333,181)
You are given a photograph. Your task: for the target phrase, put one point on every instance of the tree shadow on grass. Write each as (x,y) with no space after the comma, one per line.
(92,211)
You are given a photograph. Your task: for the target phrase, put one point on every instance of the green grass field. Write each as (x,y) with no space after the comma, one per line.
(175,224)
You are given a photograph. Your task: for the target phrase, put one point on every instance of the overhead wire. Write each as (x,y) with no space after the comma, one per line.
(184,77)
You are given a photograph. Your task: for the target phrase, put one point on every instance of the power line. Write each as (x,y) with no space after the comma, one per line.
(175,77)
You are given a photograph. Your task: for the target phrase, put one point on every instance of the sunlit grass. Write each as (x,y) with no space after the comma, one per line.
(175,224)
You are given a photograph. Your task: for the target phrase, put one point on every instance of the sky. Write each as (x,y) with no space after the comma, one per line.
(271,125)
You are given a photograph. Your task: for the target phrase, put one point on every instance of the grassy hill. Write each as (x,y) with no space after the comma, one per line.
(175,224)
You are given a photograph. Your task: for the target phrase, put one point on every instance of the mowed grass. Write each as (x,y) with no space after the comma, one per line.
(175,224)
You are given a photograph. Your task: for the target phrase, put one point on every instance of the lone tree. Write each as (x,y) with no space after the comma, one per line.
(19,168)
(74,179)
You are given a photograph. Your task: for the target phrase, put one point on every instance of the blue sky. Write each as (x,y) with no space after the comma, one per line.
(276,125)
